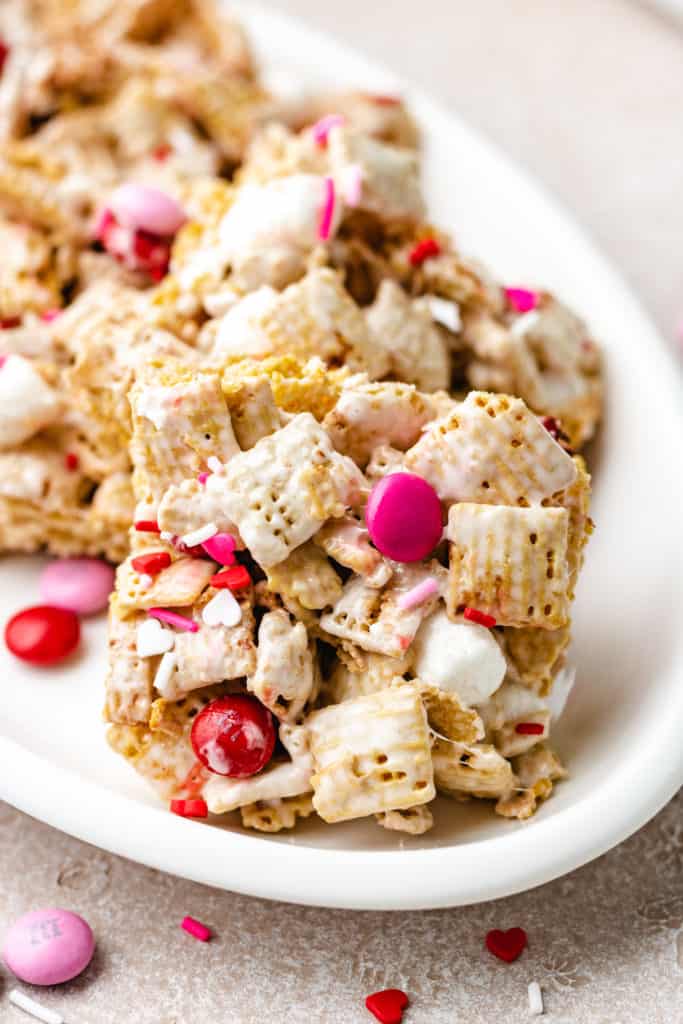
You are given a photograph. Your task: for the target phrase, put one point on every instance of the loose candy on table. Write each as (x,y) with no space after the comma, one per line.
(196,929)
(82,585)
(388,1005)
(48,947)
(33,1008)
(221,547)
(234,736)
(535,999)
(506,945)
(403,517)
(144,208)
(43,634)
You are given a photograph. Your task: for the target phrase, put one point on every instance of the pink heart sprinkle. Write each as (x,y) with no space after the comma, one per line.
(521,299)
(221,547)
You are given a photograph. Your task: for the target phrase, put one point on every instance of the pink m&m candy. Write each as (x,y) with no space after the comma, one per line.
(48,947)
(148,209)
(403,517)
(82,585)
(221,547)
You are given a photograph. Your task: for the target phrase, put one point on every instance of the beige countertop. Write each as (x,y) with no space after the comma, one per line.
(589,96)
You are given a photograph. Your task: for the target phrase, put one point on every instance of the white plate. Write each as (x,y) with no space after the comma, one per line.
(621,736)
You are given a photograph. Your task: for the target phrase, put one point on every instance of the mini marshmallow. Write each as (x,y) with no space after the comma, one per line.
(459,658)
(27,403)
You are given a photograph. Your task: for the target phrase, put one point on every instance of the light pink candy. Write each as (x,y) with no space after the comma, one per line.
(82,585)
(403,517)
(419,594)
(148,209)
(173,619)
(48,947)
(322,128)
(521,299)
(221,547)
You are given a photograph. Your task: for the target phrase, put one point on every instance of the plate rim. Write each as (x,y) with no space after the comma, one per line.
(390,880)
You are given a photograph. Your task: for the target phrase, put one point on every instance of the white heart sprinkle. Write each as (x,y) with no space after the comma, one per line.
(162,680)
(222,610)
(153,638)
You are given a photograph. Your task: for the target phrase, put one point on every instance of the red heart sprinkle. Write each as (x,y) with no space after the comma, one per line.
(388,1005)
(506,945)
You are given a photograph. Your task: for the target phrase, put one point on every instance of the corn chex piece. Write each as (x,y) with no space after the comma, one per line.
(213,654)
(176,427)
(448,717)
(276,815)
(307,577)
(368,415)
(178,586)
(284,676)
(536,771)
(415,821)
(477,769)
(128,682)
(279,780)
(371,754)
(390,175)
(535,655)
(281,491)
(372,618)
(510,563)
(405,329)
(491,449)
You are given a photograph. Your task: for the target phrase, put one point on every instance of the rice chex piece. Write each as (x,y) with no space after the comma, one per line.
(276,815)
(371,754)
(448,717)
(390,175)
(306,577)
(317,317)
(176,427)
(128,682)
(535,655)
(281,491)
(415,821)
(405,329)
(510,563)
(536,770)
(178,586)
(277,781)
(491,449)
(368,415)
(362,674)
(214,653)
(284,676)
(190,505)
(372,618)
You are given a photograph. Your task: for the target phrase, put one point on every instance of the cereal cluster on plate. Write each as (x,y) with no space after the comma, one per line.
(333,456)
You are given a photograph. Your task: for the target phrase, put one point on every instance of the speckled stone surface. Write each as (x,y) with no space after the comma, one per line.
(588,95)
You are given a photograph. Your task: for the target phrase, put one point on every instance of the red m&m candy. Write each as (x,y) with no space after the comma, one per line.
(234,736)
(43,635)
(403,517)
